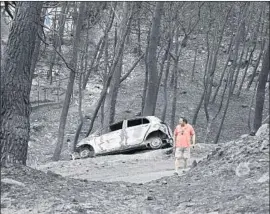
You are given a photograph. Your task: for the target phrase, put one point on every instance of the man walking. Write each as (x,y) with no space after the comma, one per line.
(183,135)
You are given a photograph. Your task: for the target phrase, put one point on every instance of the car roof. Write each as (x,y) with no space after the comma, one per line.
(151,118)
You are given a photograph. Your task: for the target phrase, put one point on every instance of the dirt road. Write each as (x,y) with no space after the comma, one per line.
(135,168)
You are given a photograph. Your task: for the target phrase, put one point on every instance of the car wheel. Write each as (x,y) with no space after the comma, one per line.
(86,152)
(154,142)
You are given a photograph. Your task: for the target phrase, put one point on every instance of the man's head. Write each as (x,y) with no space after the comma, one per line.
(182,121)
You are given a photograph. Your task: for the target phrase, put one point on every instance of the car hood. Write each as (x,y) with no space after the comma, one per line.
(87,140)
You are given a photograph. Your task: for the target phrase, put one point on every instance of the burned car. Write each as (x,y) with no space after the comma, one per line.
(131,134)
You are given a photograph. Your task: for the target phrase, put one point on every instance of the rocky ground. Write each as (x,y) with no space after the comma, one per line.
(233,178)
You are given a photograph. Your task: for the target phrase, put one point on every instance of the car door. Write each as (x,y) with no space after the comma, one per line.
(112,140)
(136,130)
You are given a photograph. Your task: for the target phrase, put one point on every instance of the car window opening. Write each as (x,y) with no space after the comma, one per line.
(137,122)
(116,126)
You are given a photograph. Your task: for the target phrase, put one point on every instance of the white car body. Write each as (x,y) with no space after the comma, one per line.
(127,135)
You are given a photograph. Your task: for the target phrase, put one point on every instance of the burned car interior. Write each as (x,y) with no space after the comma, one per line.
(116,126)
(137,122)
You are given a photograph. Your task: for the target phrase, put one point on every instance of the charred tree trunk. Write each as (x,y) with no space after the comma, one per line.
(106,61)
(194,65)
(212,67)
(213,63)
(175,74)
(197,110)
(164,58)
(108,81)
(226,108)
(145,85)
(73,65)
(165,87)
(238,67)
(61,25)
(16,84)
(131,69)
(172,125)
(111,97)
(87,75)
(53,56)
(151,94)
(250,108)
(260,95)
(231,72)
(99,47)
(79,128)
(165,103)
(262,47)
(139,46)
(37,46)
(245,72)
(223,72)
(58,38)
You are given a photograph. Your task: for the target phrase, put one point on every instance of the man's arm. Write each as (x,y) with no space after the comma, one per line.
(193,136)
(194,139)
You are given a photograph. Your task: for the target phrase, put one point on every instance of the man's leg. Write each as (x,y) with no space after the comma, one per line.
(185,162)
(177,164)
(177,159)
(186,156)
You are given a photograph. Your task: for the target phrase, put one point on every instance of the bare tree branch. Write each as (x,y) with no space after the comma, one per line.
(132,68)
(59,54)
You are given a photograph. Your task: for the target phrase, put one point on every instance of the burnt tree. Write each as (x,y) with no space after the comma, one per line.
(260,95)
(151,93)
(73,66)
(112,94)
(16,84)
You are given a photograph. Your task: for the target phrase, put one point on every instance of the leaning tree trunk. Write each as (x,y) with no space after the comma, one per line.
(260,95)
(226,108)
(100,46)
(106,85)
(198,108)
(223,71)
(251,107)
(256,38)
(73,66)
(164,58)
(151,94)
(245,72)
(16,84)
